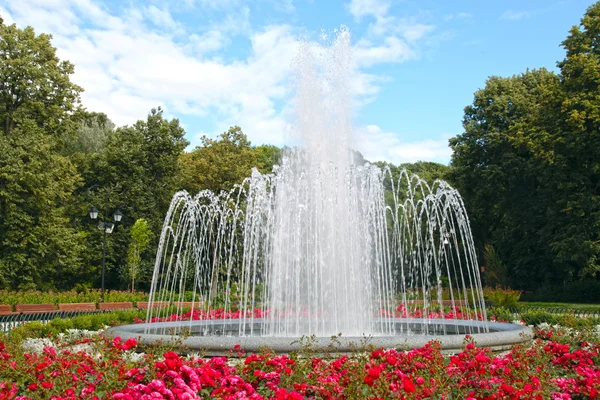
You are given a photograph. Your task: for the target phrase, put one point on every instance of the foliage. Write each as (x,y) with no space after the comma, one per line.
(137,173)
(499,178)
(584,291)
(35,84)
(71,296)
(426,170)
(499,314)
(38,247)
(91,135)
(219,164)
(140,238)
(268,157)
(501,297)
(495,273)
(528,164)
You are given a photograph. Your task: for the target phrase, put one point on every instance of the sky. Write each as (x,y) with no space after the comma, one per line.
(217,63)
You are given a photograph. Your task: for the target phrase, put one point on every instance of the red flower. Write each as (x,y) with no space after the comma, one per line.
(409,386)
(47,385)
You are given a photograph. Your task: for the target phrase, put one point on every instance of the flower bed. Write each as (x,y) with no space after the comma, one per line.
(400,312)
(561,364)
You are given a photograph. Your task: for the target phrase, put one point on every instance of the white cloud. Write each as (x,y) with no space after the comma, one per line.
(208,42)
(375,8)
(515,15)
(378,145)
(160,18)
(127,67)
(8,20)
(390,39)
(414,32)
(392,49)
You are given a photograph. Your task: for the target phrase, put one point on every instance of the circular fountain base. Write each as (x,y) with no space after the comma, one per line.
(218,337)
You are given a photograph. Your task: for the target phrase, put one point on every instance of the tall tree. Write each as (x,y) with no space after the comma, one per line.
(139,166)
(34,83)
(38,246)
(576,240)
(499,167)
(221,163)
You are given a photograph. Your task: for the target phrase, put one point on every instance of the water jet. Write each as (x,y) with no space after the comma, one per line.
(322,246)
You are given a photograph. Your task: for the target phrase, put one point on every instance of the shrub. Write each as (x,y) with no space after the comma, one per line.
(500,314)
(78,295)
(536,317)
(499,297)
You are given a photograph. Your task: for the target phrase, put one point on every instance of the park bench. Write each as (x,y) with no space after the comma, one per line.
(77,307)
(116,305)
(6,309)
(35,308)
(142,305)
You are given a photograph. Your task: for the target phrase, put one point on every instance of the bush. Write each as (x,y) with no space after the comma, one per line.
(536,317)
(499,297)
(500,314)
(79,295)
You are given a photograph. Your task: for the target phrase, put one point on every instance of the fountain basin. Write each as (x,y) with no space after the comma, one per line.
(218,337)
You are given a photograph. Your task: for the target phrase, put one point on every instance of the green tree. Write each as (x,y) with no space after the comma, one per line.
(34,84)
(38,102)
(219,164)
(576,166)
(91,135)
(140,238)
(268,157)
(528,165)
(140,163)
(499,171)
(495,270)
(38,247)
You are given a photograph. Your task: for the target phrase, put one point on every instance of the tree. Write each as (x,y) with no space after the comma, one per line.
(219,164)
(268,157)
(500,168)
(34,83)
(91,135)
(140,238)
(38,246)
(140,162)
(495,270)
(576,237)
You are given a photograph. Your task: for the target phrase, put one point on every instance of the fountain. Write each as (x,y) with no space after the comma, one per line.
(322,247)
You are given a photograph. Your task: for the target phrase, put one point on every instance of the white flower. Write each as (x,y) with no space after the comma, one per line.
(36,345)
(132,356)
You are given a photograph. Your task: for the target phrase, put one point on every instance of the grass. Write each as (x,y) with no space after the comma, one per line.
(573,306)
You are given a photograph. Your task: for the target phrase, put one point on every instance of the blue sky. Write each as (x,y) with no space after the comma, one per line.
(217,63)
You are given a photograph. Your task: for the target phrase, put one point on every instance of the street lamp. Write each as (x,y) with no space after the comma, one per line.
(106,227)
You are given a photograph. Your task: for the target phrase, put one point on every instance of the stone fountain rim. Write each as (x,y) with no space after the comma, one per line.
(502,337)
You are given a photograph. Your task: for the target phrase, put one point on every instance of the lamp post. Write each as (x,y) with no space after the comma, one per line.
(106,227)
